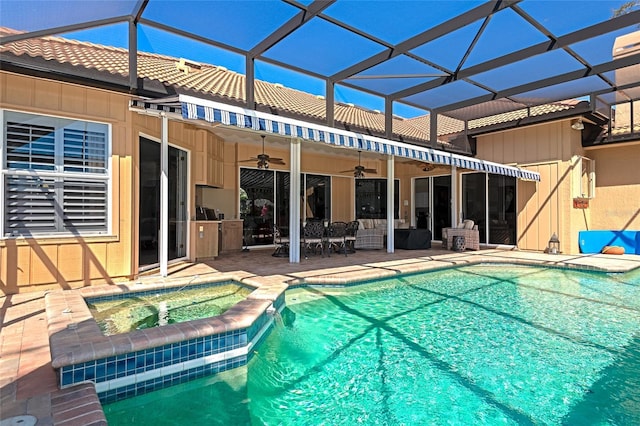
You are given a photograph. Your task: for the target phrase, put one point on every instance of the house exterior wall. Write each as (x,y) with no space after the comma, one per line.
(544,207)
(616,204)
(552,149)
(74,261)
(42,263)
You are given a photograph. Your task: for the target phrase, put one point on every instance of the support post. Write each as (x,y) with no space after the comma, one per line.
(390,204)
(163,236)
(294,201)
(454,197)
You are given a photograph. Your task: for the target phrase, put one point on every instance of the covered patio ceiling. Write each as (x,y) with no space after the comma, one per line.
(462,59)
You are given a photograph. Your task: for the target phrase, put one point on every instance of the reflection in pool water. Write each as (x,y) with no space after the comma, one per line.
(473,345)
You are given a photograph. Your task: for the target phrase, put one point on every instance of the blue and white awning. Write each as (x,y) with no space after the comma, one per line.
(215,112)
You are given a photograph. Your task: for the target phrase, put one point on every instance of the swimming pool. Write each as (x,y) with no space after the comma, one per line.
(485,344)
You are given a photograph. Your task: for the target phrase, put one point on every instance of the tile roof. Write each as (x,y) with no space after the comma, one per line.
(223,84)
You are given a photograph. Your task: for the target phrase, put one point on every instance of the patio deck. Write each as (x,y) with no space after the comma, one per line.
(28,384)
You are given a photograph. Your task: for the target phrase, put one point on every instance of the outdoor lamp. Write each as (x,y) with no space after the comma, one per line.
(554,244)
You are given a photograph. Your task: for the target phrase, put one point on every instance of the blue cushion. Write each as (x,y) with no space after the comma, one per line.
(594,241)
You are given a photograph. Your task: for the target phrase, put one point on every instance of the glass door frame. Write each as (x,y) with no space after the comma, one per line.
(510,209)
(186,211)
(431,219)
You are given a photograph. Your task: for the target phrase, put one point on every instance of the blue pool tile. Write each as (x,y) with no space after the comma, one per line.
(101,371)
(78,376)
(90,373)
(67,378)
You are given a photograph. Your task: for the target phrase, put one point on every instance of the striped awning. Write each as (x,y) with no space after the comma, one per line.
(214,112)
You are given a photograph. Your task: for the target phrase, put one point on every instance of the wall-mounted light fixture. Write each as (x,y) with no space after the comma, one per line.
(577,124)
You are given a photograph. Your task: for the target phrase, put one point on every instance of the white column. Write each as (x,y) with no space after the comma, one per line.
(454,197)
(486,206)
(390,206)
(294,201)
(163,236)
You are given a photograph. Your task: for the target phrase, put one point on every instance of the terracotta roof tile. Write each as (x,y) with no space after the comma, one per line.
(217,81)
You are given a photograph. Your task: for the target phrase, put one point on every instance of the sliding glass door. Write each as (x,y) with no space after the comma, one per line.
(317,197)
(422,203)
(432,203)
(257,205)
(264,201)
(149,204)
(502,210)
(487,199)
(441,205)
(474,201)
(371,199)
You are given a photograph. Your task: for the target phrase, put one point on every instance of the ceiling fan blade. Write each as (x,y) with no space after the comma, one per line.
(370,171)
(248,160)
(277,161)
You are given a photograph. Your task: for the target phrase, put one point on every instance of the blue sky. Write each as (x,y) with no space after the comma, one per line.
(244,23)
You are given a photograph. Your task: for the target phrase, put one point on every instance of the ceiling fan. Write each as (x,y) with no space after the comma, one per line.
(263,160)
(360,170)
(425,167)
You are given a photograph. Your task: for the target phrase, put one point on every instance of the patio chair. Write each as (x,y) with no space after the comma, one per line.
(313,237)
(350,238)
(336,237)
(468,230)
(281,242)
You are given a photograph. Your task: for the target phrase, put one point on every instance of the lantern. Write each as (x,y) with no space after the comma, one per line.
(554,244)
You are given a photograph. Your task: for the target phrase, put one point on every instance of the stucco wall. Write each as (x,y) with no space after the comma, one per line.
(617,200)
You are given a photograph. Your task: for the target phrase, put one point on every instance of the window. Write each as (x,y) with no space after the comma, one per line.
(55,175)
(371,199)
(584,177)
(317,197)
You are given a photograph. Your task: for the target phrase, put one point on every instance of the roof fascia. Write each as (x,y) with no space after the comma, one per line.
(580,110)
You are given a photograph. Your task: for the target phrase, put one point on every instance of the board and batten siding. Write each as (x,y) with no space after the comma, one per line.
(68,262)
(543,206)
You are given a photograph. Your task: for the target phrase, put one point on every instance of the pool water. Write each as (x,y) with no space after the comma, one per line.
(482,344)
(151,309)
